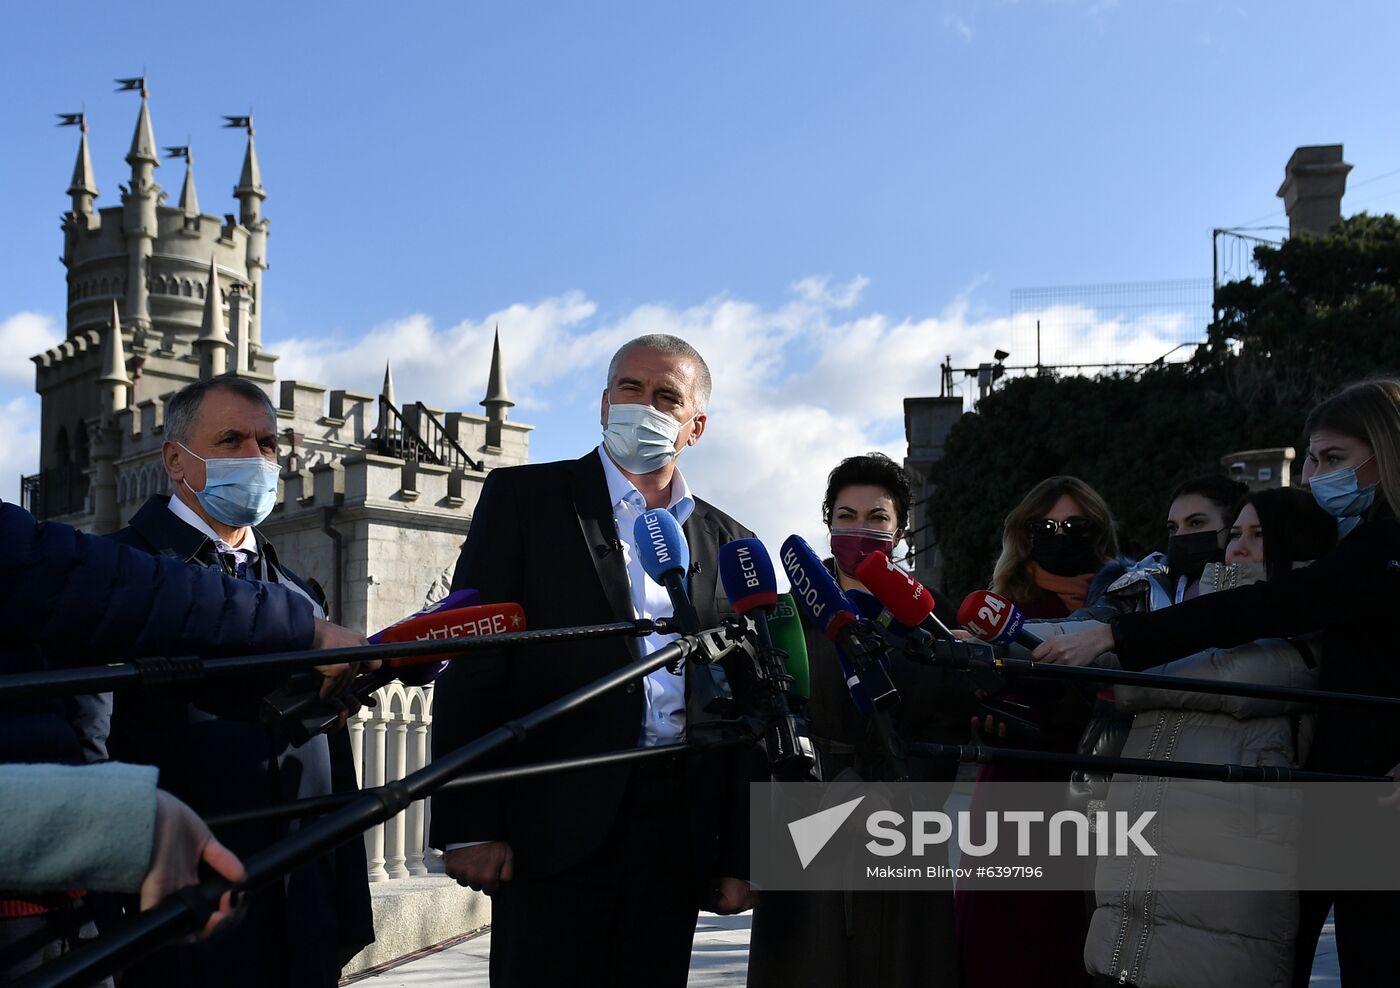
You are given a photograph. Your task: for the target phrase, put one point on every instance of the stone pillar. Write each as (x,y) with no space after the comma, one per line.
(374,776)
(927,422)
(398,767)
(1314,181)
(417,818)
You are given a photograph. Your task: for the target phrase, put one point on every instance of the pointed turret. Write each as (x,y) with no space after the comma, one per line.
(213,344)
(496,400)
(114,354)
(114,381)
(83,188)
(387,392)
(143,141)
(139,203)
(249,191)
(250,194)
(189,198)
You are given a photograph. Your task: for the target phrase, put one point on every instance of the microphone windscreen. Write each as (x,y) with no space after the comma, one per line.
(747,575)
(905,597)
(786,629)
(457,622)
(661,544)
(991,617)
(814,589)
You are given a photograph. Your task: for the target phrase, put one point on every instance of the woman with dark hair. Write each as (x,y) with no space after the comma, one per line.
(1198,528)
(879,939)
(1353,472)
(1289,522)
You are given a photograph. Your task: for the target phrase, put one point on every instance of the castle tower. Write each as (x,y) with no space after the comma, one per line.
(151,259)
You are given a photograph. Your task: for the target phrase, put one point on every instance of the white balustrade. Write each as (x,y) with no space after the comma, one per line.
(392,740)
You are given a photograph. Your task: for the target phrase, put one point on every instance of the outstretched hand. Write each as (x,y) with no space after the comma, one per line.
(1078,648)
(182,843)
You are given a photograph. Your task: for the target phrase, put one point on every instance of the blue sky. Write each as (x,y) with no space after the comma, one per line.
(827,195)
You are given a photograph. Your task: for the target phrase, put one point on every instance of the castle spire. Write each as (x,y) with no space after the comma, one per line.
(83,188)
(139,203)
(143,140)
(189,198)
(114,360)
(249,191)
(496,400)
(388,390)
(213,343)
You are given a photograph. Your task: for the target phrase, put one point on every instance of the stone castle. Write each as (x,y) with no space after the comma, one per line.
(373,493)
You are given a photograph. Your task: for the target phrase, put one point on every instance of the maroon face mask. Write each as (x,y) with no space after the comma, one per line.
(850,546)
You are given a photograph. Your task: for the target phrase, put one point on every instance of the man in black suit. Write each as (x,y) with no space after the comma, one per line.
(597,877)
(212,750)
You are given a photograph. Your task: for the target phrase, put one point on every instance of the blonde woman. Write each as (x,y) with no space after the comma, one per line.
(1052,544)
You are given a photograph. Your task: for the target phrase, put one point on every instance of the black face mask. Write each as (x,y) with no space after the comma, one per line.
(1063,555)
(1187,555)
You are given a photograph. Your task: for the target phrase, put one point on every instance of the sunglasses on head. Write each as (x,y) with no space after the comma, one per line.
(1073,525)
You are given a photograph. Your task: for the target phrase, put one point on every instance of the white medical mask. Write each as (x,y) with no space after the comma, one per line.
(238,490)
(641,439)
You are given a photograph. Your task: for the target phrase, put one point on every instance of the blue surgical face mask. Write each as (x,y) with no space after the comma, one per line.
(238,490)
(641,439)
(1340,495)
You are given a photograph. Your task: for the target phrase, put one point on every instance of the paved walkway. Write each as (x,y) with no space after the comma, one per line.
(720,960)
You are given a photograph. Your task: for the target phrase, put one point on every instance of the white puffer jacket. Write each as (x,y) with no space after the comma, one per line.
(1145,931)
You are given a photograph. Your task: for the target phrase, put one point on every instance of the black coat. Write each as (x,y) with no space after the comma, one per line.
(544,536)
(68,598)
(1348,595)
(215,754)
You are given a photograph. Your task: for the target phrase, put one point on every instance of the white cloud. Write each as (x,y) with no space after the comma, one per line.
(23,335)
(797,386)
(447,367)
(19,442)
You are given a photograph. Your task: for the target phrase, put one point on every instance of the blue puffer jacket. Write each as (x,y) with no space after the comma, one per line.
(67,598)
